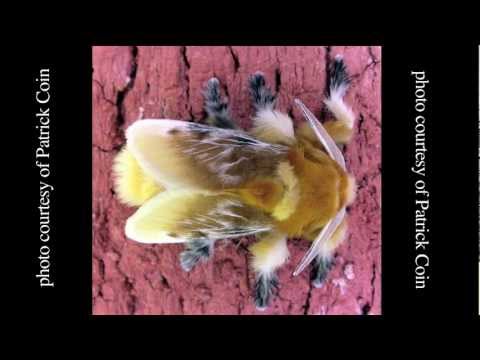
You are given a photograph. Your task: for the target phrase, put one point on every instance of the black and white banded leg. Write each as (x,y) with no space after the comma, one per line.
(215,107)
(269,254)
(269,124)
(340,127)
(196,250)
(321,267)
(261,95)
(266,287)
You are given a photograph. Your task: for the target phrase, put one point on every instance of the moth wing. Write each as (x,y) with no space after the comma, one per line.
(132,186)
(176,216)
(179,154)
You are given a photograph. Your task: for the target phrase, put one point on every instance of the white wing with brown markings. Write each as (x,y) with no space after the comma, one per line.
(181,154)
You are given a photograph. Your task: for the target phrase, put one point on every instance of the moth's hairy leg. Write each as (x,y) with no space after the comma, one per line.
(262,96)
(323,262)
(268,255)
(196,250)
(341,127)
(215,107)
(266,286)
(268,124)
(321,267)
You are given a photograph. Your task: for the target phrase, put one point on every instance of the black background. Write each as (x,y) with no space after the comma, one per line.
(452,168)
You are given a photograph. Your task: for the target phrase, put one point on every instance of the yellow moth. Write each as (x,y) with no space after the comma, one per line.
(198,183)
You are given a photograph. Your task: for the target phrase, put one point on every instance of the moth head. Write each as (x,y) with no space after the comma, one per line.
(335,153)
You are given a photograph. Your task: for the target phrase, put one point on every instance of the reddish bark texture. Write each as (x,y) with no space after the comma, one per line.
(166,82)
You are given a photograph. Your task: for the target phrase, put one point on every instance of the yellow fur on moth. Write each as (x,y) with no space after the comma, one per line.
(132,185)
(320,193)
(269,253)
(197,184)
(272,180)
(287,205)
(298,190)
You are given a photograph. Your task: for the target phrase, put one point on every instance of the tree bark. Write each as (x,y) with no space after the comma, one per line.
(166,82)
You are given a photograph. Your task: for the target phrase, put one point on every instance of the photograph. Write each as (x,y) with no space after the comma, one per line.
(236,180)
